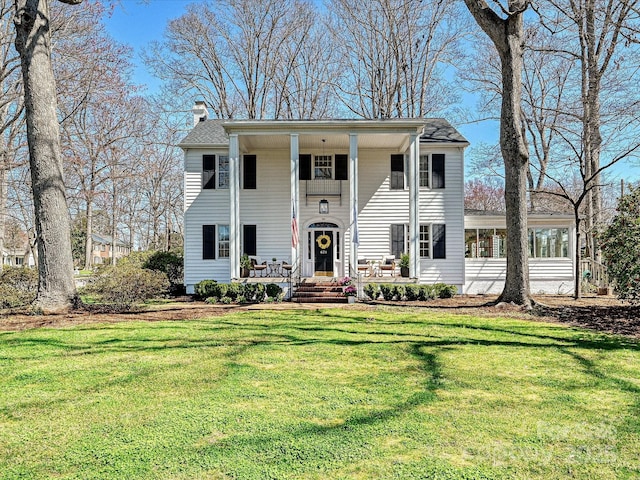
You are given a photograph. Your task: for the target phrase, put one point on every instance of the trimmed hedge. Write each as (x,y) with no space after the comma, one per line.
(204,289)
(372,290)
(214,292)
(410,292)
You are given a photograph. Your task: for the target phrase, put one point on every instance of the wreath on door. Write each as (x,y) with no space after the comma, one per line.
(323,241)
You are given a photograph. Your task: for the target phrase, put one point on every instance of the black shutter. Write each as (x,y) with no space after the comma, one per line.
(439,241)
(342,167)
(397,240)
(397,172)
(437,170)
(208,242)
(249,239)
(208,171)
(305,166)
(249,172)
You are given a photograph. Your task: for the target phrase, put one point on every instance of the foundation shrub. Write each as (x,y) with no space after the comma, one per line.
(372,290)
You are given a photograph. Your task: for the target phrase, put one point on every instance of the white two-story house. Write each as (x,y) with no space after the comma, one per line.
(322,194)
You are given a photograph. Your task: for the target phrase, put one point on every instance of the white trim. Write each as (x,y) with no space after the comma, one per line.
(414,206)
(353,200)
(234,210)
(295,195)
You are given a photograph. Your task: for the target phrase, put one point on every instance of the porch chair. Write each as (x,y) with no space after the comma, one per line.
(286,268)
(257,267)
(388,264)
(365,266)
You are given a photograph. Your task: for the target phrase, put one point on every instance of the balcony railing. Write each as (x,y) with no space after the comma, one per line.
(323,188)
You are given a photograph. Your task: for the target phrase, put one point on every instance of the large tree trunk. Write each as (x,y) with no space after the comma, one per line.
(508,37)
(55,267)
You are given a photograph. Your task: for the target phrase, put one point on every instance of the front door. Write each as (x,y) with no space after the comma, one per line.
(323,249)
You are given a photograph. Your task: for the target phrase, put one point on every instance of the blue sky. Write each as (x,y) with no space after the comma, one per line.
(137,23)
(125,26)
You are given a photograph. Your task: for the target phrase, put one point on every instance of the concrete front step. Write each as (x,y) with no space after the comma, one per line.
(314,299)
(319,291)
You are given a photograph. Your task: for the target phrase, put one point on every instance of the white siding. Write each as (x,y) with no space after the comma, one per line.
(202,207)
(268,207)
(445,206)
(546,275)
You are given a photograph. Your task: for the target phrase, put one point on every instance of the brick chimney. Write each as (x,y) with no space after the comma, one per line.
(200,112)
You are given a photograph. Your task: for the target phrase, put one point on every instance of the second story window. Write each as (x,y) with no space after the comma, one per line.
(223,171)
(396,182)
(432,169)
(323,167)
(208,172)
(215,171)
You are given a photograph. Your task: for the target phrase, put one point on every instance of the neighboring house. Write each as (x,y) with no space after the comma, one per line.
(328,195)
(101,245)
(398,183)
(17,257)
(551,252)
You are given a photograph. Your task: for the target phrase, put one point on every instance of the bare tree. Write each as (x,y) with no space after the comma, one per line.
(11,122)
(243,57)
(393,53)
(56,286)
(576,193)
(486,194)
(601,37)
(506,31)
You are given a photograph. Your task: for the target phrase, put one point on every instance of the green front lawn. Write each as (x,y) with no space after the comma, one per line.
(329,394)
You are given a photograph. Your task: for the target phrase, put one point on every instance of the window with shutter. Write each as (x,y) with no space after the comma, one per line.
(425,247)
(223,241)
(249,172)
(223,171)
(342,167)
(397,172)
(208,242)
(439,240)
(424,170)
(304,166)
(250,245)
(208,172)
(399,239)
(437,170)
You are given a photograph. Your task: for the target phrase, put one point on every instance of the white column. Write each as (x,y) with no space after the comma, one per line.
(414,206)
(296,255)
(234,206)
(353,201)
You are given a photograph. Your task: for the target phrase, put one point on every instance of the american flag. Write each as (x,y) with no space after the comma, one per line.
(355,233)
(294,228)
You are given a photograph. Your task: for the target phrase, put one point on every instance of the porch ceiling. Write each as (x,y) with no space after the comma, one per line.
(330,142)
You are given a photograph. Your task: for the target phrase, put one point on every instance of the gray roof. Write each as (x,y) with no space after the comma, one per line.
(212,132)
(438,130)
(106,240)
(208,132)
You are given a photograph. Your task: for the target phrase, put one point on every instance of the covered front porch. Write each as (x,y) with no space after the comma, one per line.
(327,160)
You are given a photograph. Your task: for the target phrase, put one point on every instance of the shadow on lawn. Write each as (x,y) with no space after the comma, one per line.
(236,335)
